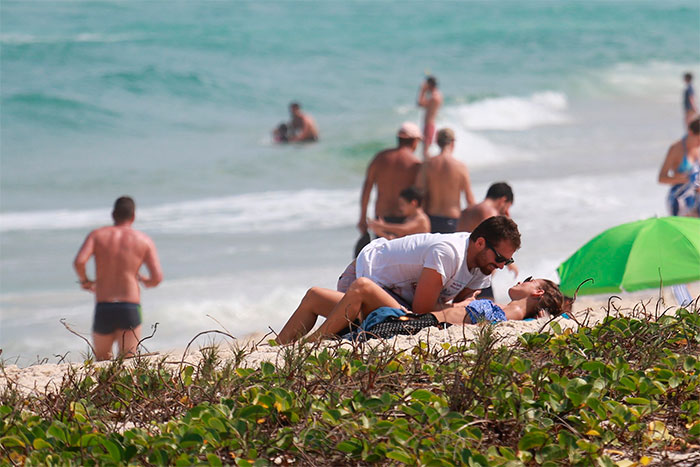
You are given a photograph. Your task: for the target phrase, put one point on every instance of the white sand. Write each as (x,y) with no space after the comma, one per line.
(586,311)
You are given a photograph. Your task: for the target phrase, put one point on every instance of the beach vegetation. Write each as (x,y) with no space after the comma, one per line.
(623,392)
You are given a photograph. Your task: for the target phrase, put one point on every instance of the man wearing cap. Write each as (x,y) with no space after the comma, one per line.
(443,180)
(391,170)
(430,98)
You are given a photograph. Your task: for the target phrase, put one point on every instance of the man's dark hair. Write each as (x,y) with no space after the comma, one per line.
(431,81)
(412,193)
(688,77)
(124,208)
(295,105)
(405,141)
(499,190)
(694,126)
(496,229)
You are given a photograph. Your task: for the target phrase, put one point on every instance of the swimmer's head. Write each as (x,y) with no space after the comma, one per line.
(432,82)
(688,77)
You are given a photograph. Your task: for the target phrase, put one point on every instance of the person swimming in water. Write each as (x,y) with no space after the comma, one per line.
(367,305)
(681,170)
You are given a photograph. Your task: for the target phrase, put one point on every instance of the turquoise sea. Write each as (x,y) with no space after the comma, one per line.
(573,102)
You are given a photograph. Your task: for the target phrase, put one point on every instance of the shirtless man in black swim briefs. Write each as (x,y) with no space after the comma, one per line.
(119,253)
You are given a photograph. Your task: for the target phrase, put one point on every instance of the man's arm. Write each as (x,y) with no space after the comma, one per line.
(422,101)
(466,294)
(304,133)
(411,226)
(153,265)
(364,197)
(81,259)
(427,291)
(467,188)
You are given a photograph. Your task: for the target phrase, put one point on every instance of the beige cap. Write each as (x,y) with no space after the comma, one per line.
(409,130)
(445,136)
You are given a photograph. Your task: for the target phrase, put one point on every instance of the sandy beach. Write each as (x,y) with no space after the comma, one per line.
(586,311)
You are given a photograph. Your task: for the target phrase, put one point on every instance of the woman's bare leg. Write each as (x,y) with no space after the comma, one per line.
(317,302)
(362,298)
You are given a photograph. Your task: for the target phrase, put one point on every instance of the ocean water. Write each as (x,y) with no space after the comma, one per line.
(572,102)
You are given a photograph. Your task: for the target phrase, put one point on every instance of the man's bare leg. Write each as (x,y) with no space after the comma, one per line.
(103,345)
(317,302)
(362,298)
(128,340)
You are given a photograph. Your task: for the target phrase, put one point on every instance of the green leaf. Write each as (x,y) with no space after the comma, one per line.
(533,439)
(422,395)
(113,449)
(637,400)
(401,456)
(56,432)
(11,441)
(267,368)
(40,444)
(350,446)
(187,375)
(214,460)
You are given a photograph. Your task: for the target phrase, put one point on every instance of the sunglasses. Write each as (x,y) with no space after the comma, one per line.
(500,258)
(528,279)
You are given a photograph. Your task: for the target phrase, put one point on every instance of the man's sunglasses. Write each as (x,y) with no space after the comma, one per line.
(500,258)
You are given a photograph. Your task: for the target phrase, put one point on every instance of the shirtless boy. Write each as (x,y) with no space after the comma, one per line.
(443,179)
(303,127)
(417,220)
(430,98)
(391,170)
(119,253)
(499,199)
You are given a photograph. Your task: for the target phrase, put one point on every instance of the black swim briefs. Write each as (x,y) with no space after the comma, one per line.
(113,316)
(442,224)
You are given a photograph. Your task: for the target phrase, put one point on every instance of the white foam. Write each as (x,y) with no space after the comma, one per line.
(24,39)
(252,212)
(651,81)
(511,113)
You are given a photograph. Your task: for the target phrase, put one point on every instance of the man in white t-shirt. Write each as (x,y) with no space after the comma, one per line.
(426,271)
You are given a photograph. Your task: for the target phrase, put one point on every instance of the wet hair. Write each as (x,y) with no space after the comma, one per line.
(124,208)
(552,301)
(496,229)
(431,81)
(412,193)
(295,105)
(499,190)
(694,126)
(688,77)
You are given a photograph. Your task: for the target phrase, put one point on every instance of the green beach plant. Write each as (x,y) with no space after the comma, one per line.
(621,392)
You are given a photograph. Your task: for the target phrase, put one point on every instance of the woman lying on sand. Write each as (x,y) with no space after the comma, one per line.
(370,309)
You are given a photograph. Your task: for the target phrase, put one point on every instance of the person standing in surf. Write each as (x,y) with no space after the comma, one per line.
(119,252)
(430,98)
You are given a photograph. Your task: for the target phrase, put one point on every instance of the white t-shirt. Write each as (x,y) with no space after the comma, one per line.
(397,264)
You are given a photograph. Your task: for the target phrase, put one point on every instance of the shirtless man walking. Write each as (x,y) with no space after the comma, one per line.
(391,170)
(443,179)
(430,98)
(302,126)
(119,253)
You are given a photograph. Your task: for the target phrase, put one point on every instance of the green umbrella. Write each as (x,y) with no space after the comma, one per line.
(635,256)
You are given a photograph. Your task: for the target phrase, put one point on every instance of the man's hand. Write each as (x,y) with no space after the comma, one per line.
(469,299)
(87,285)
(362,225)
